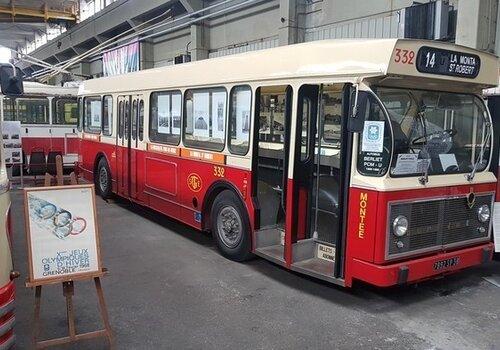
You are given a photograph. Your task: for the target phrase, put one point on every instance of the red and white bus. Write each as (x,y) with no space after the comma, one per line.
(48,116)
(346,160)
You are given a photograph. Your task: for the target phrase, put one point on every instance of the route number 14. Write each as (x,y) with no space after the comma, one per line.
(430,59)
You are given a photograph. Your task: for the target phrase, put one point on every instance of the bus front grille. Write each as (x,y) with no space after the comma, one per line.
(438,223)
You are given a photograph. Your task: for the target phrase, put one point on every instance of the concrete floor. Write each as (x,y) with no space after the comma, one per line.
(168,288)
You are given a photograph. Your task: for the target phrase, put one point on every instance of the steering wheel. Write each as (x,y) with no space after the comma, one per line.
(420,140)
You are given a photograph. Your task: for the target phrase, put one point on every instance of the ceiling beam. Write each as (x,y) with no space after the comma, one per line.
(6,35)
(192,5)
(44,13)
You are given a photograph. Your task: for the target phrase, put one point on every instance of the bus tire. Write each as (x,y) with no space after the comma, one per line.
(103,179)
(230,226)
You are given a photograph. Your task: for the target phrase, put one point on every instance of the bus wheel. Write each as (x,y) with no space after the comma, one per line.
(103,178)
(230,226)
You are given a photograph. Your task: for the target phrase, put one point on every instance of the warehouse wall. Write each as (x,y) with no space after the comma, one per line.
(270,23)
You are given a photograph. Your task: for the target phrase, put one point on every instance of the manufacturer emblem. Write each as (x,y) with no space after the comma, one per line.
(194,182)
(471,200)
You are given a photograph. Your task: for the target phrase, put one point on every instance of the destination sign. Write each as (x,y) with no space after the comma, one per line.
(445,62)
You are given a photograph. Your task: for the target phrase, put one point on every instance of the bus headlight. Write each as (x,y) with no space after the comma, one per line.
(400,226)
(483,213)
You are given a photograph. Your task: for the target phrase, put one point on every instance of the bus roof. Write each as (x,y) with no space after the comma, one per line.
(329,58)
(34,88)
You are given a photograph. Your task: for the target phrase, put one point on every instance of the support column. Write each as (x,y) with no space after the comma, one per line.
(476,24)
(289,32)
(146,55)
(199,42)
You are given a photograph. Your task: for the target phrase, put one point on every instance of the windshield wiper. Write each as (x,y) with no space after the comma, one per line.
(424,178)
(470,176)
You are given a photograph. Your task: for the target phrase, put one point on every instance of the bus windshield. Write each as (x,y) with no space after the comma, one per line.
(437,132)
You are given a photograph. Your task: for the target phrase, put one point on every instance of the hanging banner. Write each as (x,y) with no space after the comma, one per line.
(122,60)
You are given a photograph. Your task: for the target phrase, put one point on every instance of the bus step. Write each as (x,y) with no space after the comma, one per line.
(314,259)
(268,237)
(316,267)
(274,253)
(269,245)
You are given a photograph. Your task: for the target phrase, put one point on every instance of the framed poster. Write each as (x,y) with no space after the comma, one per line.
(62,234)
(12,142)
(164,116)
(218,114)
(201,112)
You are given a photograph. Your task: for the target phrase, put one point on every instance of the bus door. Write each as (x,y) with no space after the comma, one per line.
(64,116)
(320,174)
(273,107)
(123,145)
(136,137)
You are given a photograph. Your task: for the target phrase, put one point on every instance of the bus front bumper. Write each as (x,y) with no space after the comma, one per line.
(7,318)
(421,269)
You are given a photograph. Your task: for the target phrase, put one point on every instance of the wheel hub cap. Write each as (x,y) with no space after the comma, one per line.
(103,179)
(229,227)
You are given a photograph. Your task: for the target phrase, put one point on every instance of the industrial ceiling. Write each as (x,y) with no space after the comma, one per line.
(20,20)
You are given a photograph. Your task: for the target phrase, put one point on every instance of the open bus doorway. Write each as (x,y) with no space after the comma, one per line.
(300,220)
(271,154)
(320,177)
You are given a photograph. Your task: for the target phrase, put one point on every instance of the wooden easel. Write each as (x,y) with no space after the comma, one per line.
(68,292)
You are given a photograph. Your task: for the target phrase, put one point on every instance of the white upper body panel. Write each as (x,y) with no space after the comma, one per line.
(330,58)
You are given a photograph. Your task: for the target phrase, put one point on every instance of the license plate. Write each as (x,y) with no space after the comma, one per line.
(443,264)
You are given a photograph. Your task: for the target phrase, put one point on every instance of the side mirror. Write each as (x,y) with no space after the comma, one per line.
(11,80)
(357,112)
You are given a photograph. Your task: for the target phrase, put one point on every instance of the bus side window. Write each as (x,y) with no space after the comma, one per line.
(120,119)
(33,111)
(371,163)
(240,103)
(126,119)
(64,111)
(141,120)
(272,116)
(205,118)
(107,115)
(165,117)
(93,115)
(134,120)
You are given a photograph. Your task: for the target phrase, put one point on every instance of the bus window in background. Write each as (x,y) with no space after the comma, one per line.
(9,109)
(33,111)
(65,111)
